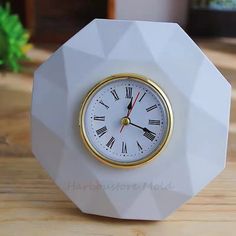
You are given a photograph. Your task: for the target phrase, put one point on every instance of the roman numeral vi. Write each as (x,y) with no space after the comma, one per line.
(124,147)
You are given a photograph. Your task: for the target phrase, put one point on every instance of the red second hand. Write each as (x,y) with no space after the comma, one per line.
(130,110)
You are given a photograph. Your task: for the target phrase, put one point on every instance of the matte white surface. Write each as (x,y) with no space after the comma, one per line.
(200,99)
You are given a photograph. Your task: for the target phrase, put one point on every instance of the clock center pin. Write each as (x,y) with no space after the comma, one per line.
(125,121)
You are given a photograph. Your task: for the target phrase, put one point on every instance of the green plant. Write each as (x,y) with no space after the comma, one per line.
(13,40)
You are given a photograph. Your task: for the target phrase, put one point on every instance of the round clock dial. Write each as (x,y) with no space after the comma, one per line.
(125,120)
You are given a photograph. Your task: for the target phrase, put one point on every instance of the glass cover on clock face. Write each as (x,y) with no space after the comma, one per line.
(126,120)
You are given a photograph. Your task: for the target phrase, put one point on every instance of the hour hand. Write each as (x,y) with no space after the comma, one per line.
(129,107)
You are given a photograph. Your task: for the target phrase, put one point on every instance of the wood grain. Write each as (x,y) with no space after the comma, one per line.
(31,204)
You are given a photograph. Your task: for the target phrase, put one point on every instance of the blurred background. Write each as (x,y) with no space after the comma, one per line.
(34,29)
(55,21)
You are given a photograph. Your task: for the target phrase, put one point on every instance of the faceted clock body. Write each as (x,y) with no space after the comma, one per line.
(125,120)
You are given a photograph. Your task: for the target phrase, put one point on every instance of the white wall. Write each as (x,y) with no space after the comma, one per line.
(153,10)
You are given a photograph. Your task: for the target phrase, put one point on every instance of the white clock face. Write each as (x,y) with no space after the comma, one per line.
(126,120)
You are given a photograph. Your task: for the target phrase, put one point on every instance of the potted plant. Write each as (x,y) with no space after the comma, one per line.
(13,40)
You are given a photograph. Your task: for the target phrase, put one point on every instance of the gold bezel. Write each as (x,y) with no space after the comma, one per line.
(93,91)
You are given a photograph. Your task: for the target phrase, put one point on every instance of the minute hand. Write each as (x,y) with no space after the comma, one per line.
(143,128)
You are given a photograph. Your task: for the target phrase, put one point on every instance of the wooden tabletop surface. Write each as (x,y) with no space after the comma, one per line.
(31,204)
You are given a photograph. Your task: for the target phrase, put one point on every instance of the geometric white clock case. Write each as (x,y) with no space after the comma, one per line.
(200,101)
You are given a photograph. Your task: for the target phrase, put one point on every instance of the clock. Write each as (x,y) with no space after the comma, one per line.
(126,120)
(126,113)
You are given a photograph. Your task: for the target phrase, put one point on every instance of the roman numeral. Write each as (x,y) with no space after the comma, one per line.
(151,108)
(149,135)
(128,93)
(99,118)
(110,142)
(100,132)
(142,97)
(154,122)
(124,147)
(101,102)
(115,95)
(139,146)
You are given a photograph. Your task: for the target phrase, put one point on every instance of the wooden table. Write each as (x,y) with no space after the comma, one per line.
(31,204)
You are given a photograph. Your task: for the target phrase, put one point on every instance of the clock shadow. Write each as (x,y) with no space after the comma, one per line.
(106,219)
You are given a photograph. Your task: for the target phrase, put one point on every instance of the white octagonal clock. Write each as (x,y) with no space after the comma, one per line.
(130,119)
